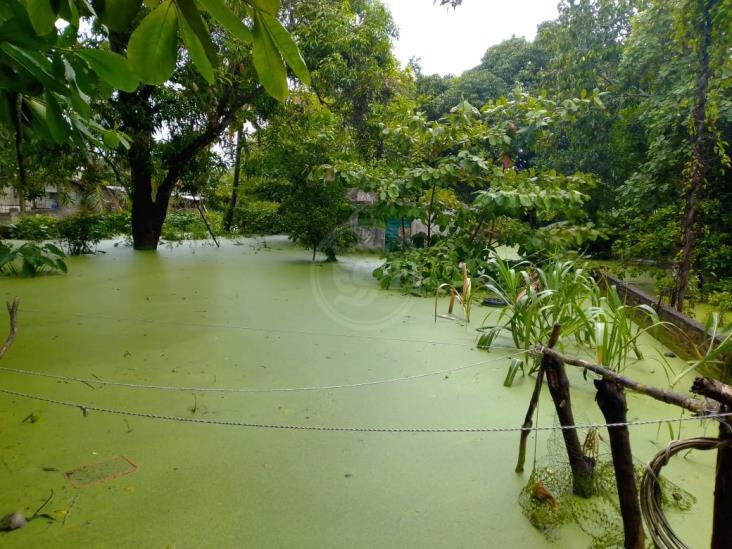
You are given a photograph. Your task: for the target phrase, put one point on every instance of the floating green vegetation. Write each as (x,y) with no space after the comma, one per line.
(548,503)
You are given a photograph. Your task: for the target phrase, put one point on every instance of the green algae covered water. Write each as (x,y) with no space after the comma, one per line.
(256,315)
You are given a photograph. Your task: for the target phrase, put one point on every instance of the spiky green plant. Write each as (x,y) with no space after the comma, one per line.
(617,327)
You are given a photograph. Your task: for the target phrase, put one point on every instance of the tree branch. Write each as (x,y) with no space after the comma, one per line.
(226,110)
(13,314)
(711,388)
(664,395)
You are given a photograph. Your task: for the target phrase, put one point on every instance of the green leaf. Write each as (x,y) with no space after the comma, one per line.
(111,139)
(195,48)
(227,19)
(269,6)
(53,249)
(117,15)
(153,46)
(54,119)
(192,15)
(111,67)
(37,65)
(267,61)
(42,15)
(287,47)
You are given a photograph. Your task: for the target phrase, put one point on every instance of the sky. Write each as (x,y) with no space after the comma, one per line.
(449,41)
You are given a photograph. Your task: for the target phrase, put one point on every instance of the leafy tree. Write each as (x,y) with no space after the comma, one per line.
(49,77)
(315,215)
(515,61)
(348,47)
(668,204)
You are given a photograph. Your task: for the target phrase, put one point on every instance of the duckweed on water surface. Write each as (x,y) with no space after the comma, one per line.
(250,316)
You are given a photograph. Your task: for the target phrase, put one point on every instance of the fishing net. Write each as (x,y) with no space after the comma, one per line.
(548,502)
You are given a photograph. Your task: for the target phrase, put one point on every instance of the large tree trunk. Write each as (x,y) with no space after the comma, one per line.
(148,208)
(229,219)
(145,225)
(703,33)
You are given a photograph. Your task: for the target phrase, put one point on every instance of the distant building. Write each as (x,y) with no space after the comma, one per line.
(54,203)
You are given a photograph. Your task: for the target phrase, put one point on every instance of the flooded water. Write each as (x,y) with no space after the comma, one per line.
(255,316)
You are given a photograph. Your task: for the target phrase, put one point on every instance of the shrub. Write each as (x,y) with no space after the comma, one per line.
(113,224)
(188,225)
(422,270)
(80,233)
(722,301)
(259,217)
(30,259)
(36,227)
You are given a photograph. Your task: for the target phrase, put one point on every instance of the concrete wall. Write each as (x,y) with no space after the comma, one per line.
(693,338)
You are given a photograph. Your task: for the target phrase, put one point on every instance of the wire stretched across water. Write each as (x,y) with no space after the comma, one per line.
(85,409)
(90,381)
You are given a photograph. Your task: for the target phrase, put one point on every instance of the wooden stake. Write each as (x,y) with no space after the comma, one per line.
(611,399)
(582,466)
(13,314)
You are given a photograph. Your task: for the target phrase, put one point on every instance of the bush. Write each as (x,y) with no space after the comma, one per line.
(80,233)
(259,217)
(36,227)
(186,225)
(113,224)
(422,270)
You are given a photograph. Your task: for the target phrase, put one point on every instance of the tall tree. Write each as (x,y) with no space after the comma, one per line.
(700,20)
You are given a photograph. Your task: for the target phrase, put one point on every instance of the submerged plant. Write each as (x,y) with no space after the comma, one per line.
(537,299)
(30,259)
(616,330)
(464,296)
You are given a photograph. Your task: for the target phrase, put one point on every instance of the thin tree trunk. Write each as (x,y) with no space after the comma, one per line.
(205,222)
(229,219)
(429,216)
(693,193)
(722,523)
(22,179)
(611,400)
(12,307)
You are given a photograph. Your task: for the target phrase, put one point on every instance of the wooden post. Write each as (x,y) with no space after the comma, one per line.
(722,522)
(611,399)
(582,466)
